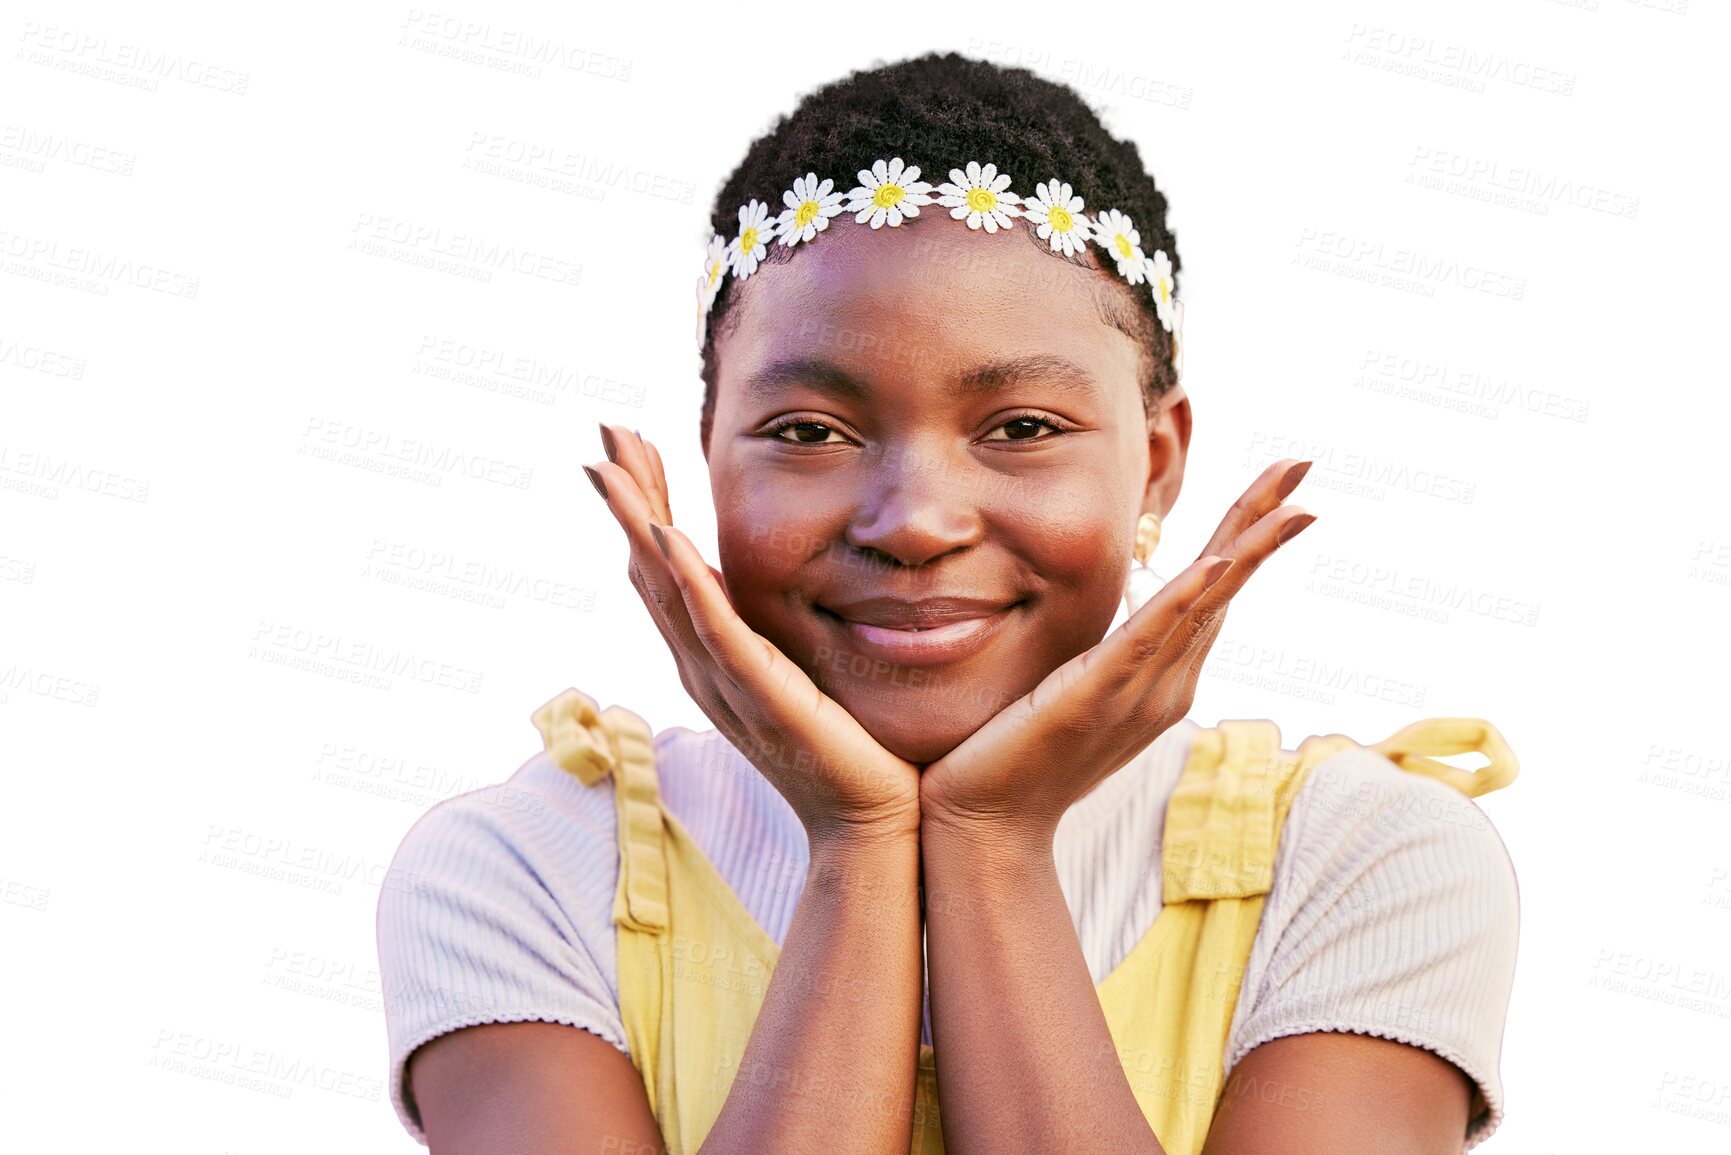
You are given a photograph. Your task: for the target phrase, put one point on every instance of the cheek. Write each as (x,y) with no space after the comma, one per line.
(765,537)
(1079,544)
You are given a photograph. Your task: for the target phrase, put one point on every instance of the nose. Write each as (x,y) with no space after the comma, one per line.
(919,507)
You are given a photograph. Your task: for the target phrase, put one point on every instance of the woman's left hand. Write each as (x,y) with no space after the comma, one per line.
(1019,773)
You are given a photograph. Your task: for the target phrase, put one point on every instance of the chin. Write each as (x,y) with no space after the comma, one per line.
(920,725)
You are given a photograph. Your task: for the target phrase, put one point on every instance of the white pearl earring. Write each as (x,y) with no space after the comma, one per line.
(1143,583)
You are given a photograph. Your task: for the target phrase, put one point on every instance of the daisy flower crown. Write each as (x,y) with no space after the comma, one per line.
(890,192)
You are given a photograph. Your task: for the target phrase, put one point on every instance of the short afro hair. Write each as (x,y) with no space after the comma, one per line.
(939,111)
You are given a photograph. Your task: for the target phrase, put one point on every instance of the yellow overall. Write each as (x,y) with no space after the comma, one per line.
(694,965)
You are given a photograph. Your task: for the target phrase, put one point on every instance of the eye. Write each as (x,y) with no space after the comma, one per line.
(1022,427)
(1024,422)
(774,431)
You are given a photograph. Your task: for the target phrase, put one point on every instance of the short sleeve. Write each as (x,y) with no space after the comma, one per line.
(1395,913)
(497,908)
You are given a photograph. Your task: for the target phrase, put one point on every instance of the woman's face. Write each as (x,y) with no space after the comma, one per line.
(963,443)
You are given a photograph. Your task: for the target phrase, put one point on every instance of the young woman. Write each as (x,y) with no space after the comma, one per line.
(948,833)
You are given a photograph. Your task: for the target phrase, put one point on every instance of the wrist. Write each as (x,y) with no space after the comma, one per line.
(980,874)
(874,866)
(890,829)
(986,842)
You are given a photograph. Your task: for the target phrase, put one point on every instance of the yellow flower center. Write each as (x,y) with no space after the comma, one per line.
(748,239)
(1165,295)
(714,272)
(1123,245)
(807,210)
(982,200)
(888,195)
(1060,218)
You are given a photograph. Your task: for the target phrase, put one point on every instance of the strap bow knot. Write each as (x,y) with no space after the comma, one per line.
(571,732)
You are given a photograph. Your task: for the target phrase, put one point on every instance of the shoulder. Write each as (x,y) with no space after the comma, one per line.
(537,811)
(581,737)
(497,907)
(493,893)
(1369,845)
(544,836)
(1357,808)
(1394,912)
(542,806)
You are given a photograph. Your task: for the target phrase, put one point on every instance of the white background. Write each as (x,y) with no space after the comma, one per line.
(1519,446)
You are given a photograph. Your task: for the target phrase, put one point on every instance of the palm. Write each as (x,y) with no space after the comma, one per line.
(848,748)
(830,770)
(1027,764)
(985,769)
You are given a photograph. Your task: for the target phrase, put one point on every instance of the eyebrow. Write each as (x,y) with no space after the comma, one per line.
(983,380)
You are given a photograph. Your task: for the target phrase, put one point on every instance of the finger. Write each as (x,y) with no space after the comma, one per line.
(660,500)
(654,456)
(1127,669)
(626,450)
(1129,650)
(1270,488)
(1248,551)
(757,680)
(1193,644)
(1248,533)
(764,704)
(721,582)
(730,670)
(1255,546)
(1197,658)
(738,650)
(649,570)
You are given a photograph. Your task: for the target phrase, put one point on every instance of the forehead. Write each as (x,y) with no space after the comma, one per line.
(930,293)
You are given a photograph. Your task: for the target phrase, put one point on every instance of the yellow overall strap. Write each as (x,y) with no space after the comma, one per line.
(591,745)
(1170,1004)
(693,967)
(689,999)
(1408,747)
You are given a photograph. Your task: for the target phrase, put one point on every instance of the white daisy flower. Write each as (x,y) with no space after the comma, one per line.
(1158,270)
(1178,340)
(1058,212)
(702,314)
(1114,232)
(981,196)
(747,249)
(809,207)
(714,265)
(709,282)
(887,193)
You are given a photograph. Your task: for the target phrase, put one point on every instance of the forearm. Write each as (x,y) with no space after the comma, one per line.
(831,1060)
(1024,1054)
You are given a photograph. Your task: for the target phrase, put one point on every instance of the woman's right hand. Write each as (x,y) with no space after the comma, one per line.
(840,782)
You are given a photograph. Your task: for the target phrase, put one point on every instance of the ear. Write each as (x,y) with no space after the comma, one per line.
(1168,446)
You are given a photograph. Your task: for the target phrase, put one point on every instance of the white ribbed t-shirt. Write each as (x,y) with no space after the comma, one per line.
(1394,909)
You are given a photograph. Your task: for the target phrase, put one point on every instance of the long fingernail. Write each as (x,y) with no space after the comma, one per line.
(595,480)
(1216,572)
(607,444)
(660,539)
(1293,476)
(1294,527)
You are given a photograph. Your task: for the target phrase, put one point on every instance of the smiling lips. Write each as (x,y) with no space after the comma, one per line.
(926,613)
(924,632)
